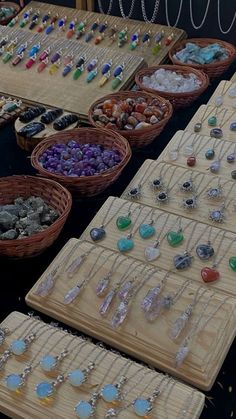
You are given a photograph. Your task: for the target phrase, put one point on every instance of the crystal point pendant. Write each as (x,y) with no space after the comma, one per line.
(106,67)
(182,261)
(156,48)
(30,62)
(99,39)
(123,222)
(7,57)
(104,307)
(18,59)
(91,75)
(181,322)
(104,79)
(120,314)
(146,231)
(232,263)
(67,69)
(97,234)
(209,274)
(77,73)
(175,238)
(42,65)
(205,251)
(34,50)
(150,297)
(72,294)
(56,57)
(116,82)
(45,286)
(53,69)
(125,290)
(118,70)
(125,244)
(102,286)
(181,354)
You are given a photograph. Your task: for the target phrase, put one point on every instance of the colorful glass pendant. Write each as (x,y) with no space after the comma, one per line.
(3,41)
(34,50)
(112,34)
(42,25)
(106,67)
(68,59)
(25,19)
(11,45)
(182,261)
(34,20)
(71,30)
(44,54)
(159,36)
(54,68)
(31,62)
(14,382)
(18,59)
(13,22)
(51,27)
(81,62)
(102,27)
(42,65)
(91,66)
(175,238)
(10,106)
(134,41)
(118,70)
(20,346)
(92,74)
(86,409)
(104,79)
(111,393)
(116,82)
(77,73)
(45,389)
(146,38)
(7,57)
(210,154)
(156,48)
(62,23)
(125,244)
(209,274)
(143,407)
(216,133)
(232,263)
(169,39)
(21,48)
(56,56)
(67,69)
(78,377)
(80,30)
(50,362)
(122,38)
(205,251)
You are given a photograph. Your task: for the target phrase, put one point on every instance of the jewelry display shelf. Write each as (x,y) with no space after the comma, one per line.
(132,26)
(57,91)
(201,145)
(233,78)
(228,101)
(176,398)
(136,336)
(8,117)
(226,283)
(150,170)
(227,133)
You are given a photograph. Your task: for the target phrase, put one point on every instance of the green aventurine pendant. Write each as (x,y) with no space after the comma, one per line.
(116,82)
(212,121)
(175,238)
(7,57)
(232,263)
(125,244)
(122,223)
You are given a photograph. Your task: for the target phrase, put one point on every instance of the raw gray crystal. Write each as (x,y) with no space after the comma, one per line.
(9,235)
(7,220)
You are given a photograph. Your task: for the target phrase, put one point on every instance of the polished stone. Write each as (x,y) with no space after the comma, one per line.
(204,251)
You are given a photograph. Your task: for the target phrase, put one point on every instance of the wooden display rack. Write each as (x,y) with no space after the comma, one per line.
(73,96)
(177,175)
(132,25)
(227,133)
(147,341)
(227,100)
(194,232)
(175,398)
(201,145)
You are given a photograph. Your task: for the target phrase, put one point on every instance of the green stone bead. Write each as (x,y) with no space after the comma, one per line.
(233,174)
(80,26)
(22,24)
(212,121)
(123,223)
(77,74)
(232,263)
(132,46)
(175,238)
(210,154)
(10,24)
(115,83)
(6,57)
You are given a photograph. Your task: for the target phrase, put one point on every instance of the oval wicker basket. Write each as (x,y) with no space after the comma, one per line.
(85,185)
(142,137)
(9,4)
(178,100)
(55,195)
(212,70)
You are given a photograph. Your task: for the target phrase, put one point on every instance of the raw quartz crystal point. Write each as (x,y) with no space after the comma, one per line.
(125,291)
(170,81)
(73,293)
(150,297)
(180,323)
(46,286)
(157,306)
(104,307)
(181,354)
(120,314)
(74,266)
(103,285)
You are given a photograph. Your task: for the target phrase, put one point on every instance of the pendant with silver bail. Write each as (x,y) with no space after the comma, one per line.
(143,407)
(187,186)
(162,197)
(97,233)
(135,193)
(215,193)
(111,393)
(218,215)
(157,184)
(183,261)
(190,203)
(14,382)
(46,389)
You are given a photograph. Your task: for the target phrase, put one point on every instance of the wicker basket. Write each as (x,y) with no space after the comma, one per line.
(9,4)
(178,100)
(85,185)
(142,137)
(212,70)
(53,194)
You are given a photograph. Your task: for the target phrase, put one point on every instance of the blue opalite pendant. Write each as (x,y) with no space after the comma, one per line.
(44,390)
(14,382)
(110,393)
(125,244)
(48,362)
(91,75)
(84,410)
(18,347)
(76,378)
(146,231)
(142,407)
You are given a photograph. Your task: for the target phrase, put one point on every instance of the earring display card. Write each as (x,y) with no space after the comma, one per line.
(54,90)
(202,196)
(228,98)
(148,341)
(174,398)
(229,118)
(200,145)
(113,22)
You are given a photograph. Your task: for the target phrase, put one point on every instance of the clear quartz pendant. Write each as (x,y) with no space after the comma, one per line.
(181,354)
(105,306)
(73,293)
(120,314)
(173,155)
(102,286)
(150,297)
(181,322)
(188,150)
(46,286)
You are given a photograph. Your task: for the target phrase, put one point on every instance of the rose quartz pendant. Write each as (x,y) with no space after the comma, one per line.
(191,161)
(17,59)
(30,62)
(209,274)
(42,65)
(67,60)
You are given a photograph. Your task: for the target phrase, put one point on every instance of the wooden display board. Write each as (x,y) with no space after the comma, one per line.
(195,233)
(201,145)
(174,177)
(147,341)
(175,398)
(228,101)
(64,92)
(234,78)
(210,109)
(132,26)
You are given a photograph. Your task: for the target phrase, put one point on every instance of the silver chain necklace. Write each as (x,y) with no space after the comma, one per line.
(219,20)
(101,7)
(204,17)
(167,13)
(155,11)
(130,11)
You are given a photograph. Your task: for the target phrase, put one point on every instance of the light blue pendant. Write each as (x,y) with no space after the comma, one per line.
(142,407)
(44,390)
(125,244)
(84,410)
(18,347)
(14,382)
(91,75)
(48,362)
(110,393)
(146,231)
(76,378)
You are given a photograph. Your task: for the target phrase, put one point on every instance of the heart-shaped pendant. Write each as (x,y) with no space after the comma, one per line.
(146,231)
(232,263)
(97,234)
(209,274)
(152,253)
(125,244)
(204,251)
(182,261)
(175,238)
(123,223)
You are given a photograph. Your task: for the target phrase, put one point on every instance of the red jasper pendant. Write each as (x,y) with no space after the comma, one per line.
(209,275)
(191,161)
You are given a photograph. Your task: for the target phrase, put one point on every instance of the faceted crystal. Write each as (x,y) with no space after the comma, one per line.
(123,223)
(125,290)
(74,266)
(232,263)
(142,407)
(210,154)
(175,238)
(72,294)
(97,234)
(181,323)
(104,307)
(181,354)
(146,231)
(102,286)
(125,244)
(154,309)
(150,298)
(151,253)
(182,261)
(120,315)
(204,251)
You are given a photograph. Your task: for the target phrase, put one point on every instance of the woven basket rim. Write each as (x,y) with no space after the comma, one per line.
(202,76)
(41,147)
(51,182)
(134,133)
(182,43)
(10,4)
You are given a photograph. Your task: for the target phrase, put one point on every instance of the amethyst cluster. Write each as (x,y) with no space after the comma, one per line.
(75,160)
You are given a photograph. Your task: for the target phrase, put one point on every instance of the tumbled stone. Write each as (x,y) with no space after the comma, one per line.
(204,251)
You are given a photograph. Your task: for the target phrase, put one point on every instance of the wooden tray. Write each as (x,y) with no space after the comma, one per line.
(220,240)
(64,92)
(227,100)
(174,205)
(132,26)
(201,145)
(27,406)
(146,341)
(227,133)
(8,117)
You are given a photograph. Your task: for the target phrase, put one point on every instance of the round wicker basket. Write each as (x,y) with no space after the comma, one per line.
(178,100)
(214,69)
(85,185)
(9,4)
(142,137)
(55,195)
